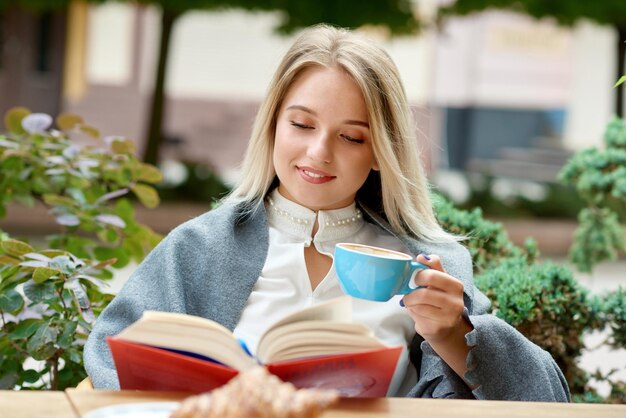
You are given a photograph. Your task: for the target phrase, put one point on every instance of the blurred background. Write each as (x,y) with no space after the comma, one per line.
(501,97)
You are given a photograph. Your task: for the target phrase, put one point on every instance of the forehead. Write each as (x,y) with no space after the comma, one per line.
(325,88)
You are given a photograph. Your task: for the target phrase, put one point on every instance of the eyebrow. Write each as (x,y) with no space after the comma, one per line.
(312,112)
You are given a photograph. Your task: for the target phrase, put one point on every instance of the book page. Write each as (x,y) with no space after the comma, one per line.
(317,330)
(338,309)
(188,333)
(314,338)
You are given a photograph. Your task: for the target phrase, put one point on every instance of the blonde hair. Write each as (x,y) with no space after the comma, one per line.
(401,184)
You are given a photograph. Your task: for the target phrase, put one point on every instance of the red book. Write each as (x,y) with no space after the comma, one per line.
(309,348)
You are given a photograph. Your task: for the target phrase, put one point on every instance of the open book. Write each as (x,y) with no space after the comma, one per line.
(313,347)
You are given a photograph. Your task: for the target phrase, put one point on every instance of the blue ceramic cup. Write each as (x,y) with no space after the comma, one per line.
(374,273)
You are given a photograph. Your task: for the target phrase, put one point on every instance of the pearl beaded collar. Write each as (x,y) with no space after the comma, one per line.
(297,220)
(339,222)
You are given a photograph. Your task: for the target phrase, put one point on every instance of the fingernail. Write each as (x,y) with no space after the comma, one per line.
(402,303)
(425,256)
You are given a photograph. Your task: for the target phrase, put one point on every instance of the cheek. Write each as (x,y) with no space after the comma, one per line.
(361,166)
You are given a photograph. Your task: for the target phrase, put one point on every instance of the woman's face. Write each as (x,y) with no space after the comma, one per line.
(322,147)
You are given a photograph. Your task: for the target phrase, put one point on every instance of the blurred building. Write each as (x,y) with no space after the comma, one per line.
(487,90)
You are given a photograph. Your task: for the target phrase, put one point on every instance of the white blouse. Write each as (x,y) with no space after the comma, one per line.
(284,285)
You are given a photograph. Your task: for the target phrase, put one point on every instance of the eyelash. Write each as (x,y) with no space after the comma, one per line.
(346,137)
(353,140)
(300,125)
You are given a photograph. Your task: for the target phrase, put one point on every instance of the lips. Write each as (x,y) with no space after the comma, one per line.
(314,176)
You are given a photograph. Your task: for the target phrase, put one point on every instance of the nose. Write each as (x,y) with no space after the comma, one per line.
(320,147)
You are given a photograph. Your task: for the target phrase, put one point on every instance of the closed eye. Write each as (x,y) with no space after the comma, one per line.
(300,125)
(351,139)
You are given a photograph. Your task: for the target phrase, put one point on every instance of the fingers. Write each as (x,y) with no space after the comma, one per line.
(433,323)
(437,305)
(434,312)
(434,298)
(435,279)
(431,260)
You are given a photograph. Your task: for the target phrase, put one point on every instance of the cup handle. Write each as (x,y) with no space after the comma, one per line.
(416,268)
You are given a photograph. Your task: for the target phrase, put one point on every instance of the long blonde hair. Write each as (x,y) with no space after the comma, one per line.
(401,184)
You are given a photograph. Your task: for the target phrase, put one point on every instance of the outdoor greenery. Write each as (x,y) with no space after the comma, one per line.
(543,300)
(50,297)
(565,12)
(599,176)
(557,201)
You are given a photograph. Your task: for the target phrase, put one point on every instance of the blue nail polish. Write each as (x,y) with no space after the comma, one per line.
(425,256)
(402,303)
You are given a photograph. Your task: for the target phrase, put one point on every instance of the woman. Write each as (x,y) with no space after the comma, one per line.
(333,158)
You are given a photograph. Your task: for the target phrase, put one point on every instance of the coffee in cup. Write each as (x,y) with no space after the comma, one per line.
(374,273)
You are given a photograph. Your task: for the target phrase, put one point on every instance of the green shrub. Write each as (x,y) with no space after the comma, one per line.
(487,241)
(599,176)
(49,298)
(543,301)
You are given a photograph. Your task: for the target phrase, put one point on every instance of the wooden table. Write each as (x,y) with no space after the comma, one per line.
(85,401)
(77,403)
(35,404)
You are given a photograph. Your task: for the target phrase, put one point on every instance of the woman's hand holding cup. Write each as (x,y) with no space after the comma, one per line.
(432,298)
(437,305)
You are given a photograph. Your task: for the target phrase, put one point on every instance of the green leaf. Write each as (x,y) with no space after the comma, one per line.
(67,336)
(67,121)
(147,195)
(11,301)
(56,200)
(30,376)
(620,81)
(7,271)
(148,173)
(104,264)
(51,253)
(107,253)
(77,195)
(79,246)
(11,276)
(125,210)
(90,130)
(122,146)
(15,248)
(24,329)
(134,248)
(8,380)
(75,356)
(41,345)
(40,293)
(41,274)
(5,259)
(13,120)
(64,263)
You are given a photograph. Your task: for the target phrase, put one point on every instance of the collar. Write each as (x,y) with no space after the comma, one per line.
(298,221)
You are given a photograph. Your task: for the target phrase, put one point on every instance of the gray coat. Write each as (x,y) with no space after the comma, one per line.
(209,265)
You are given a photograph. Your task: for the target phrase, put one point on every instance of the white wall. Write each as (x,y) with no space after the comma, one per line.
(592,95)
(492,59)
(220,55)
(110,44)
(501,59)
